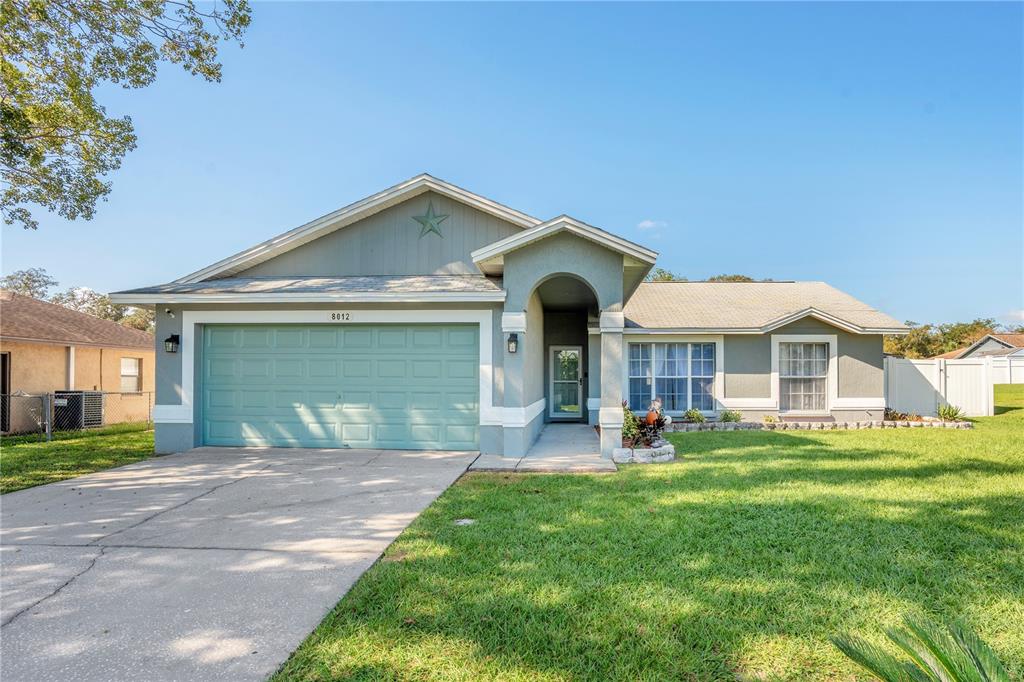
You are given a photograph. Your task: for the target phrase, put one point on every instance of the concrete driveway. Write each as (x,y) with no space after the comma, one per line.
(209,565)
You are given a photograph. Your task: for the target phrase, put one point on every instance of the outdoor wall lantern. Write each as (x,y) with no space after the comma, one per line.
(513,342)
(171,343)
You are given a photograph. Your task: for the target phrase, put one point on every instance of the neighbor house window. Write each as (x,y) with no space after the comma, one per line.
(681,374)
(131,376)
(803,377)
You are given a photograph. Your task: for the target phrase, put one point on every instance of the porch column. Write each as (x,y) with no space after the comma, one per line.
(612,391)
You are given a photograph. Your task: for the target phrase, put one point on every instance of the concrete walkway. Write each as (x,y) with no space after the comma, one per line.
(560,447)
(209,565)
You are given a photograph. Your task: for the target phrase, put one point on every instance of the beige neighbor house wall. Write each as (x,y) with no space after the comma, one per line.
(44,368)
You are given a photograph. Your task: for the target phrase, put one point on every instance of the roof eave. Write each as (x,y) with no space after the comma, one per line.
(487,258)
(321,297)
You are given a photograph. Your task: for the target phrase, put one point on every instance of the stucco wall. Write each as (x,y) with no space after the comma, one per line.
(533,351)
(36,367)
(559,254)
(42,367)
(389,243)
(859,361)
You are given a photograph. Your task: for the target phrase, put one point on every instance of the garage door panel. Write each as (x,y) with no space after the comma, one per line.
(306,385)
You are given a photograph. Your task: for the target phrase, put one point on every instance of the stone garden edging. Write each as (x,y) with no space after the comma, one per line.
(684,427)
(662,451)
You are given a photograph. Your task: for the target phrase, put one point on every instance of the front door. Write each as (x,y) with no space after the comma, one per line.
(566,382)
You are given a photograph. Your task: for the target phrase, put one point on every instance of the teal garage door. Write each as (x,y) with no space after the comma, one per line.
(354,386)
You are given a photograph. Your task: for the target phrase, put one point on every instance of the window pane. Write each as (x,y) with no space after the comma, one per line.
(640,360)
(639,394)
(802,394)
(701,397)
(672,392)
(129,384)
(129,366)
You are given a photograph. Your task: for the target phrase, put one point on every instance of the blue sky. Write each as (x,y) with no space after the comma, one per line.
(877,147)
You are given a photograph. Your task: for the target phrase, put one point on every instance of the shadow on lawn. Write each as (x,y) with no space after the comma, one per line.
(703,569)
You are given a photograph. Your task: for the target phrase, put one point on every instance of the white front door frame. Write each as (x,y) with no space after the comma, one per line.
(552,353)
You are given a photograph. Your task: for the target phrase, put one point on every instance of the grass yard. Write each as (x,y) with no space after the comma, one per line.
(737,562)
(26,461)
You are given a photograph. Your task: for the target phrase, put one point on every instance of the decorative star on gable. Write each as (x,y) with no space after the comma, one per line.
(431,221)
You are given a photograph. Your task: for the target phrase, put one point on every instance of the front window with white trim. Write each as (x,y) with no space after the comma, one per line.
(681,374)
(803,377)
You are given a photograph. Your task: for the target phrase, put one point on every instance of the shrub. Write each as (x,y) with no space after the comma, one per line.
(730,416)
(950,413)
(954,653)
(892,415)
(630,425)
(693,416)
(769,419)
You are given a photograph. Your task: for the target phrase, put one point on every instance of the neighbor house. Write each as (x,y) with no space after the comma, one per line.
(995,345)
(46,347)
(429,317)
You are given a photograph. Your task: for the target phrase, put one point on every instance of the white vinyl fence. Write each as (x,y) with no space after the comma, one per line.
(920,386)
(1007,370)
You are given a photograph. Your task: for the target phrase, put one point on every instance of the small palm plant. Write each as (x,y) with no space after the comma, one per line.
(950,413)
(951,654)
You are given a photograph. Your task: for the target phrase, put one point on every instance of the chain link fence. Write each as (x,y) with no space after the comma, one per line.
(45,414)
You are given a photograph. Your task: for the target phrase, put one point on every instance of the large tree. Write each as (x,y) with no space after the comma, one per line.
(928,340)
(85,300)
(34,282)
(57,143)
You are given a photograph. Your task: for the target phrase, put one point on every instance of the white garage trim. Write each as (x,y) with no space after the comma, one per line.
(185,413)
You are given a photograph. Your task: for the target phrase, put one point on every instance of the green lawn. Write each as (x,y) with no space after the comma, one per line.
(27,461)
(736,562)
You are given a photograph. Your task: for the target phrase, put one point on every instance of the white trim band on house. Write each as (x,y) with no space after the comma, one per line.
(612,322)
(513,322)
(521,416)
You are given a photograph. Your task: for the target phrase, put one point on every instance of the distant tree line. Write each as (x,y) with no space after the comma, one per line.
(663,275)
(37,283)
(929,340)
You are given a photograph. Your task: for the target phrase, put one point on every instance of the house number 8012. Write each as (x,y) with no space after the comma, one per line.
(340,317)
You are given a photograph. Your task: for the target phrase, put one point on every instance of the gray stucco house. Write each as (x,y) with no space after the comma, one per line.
(429,317)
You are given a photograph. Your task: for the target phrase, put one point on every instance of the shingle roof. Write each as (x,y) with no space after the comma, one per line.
(29,319)
(372,286)
(1015,340)
(750,306)
(372,283)
(951,355)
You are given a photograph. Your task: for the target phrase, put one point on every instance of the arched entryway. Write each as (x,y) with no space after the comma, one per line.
(569,307)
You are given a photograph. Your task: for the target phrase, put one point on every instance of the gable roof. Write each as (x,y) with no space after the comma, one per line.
(1007,340)
(350,214)
(951,355)
(23,318)
(750,308)
(490,257)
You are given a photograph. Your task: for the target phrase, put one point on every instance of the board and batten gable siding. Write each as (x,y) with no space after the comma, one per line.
(389,243)
(748,368)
